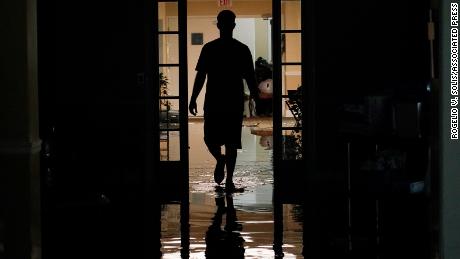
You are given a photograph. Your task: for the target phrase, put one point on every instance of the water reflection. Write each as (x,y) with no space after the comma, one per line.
(226,242)
(241,225)
(221,225)
(266,141)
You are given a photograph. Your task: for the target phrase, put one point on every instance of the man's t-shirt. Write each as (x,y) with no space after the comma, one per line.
(226,63)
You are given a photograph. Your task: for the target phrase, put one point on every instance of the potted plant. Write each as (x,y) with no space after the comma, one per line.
(164,92)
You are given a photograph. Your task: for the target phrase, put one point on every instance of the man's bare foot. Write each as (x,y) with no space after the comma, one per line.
(230,188)
(219,173)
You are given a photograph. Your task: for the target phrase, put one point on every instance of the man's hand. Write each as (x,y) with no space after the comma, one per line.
(192,107)
(199,82)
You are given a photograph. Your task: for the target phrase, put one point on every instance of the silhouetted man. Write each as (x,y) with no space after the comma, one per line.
(225,62)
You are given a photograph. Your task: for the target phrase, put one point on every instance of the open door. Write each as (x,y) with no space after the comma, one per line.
(171,93)
(288,95)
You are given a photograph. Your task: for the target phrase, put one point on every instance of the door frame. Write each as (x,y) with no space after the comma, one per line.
(167,170)
(304,168)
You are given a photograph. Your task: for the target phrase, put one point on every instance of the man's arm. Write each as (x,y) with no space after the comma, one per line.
(250,76)
(251,81)
(197,86)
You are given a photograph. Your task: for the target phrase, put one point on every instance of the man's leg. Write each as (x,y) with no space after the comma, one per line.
(215,151)
(230,160)
(220,162)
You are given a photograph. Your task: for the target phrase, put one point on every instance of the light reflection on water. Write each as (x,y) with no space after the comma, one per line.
(253,207)
(253,165)
(257,231)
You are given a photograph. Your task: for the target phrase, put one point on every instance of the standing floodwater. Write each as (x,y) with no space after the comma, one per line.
(251,225)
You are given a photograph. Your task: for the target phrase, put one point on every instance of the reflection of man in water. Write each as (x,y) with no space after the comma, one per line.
(226,243)
(226,62)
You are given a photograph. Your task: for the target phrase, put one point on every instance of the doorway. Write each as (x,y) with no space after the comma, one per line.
(114,116)
(254,170)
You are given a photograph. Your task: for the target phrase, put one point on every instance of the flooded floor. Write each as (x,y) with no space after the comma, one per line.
(231,226)
(114,222)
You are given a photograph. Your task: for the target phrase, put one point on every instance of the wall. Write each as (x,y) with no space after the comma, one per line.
(262,37)
(20,145)
(207,26)
(202,18)
(245,31)
(242,9)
